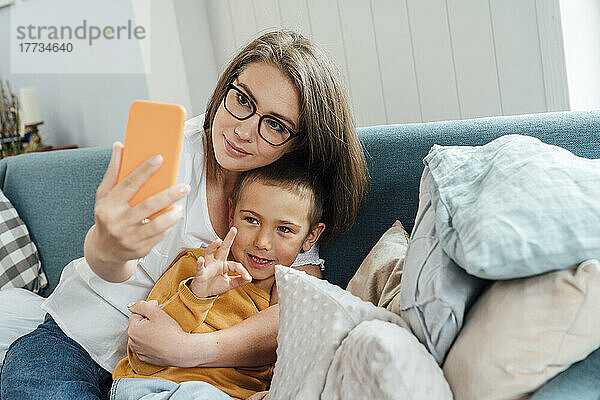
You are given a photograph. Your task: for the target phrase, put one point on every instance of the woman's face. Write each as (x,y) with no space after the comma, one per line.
(237,144)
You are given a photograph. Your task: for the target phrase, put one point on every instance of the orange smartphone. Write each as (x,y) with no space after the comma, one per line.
(153,128)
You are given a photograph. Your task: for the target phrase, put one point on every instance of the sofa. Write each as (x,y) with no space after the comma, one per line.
(54,192)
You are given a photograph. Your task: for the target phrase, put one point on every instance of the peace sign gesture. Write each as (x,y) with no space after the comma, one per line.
(212,270)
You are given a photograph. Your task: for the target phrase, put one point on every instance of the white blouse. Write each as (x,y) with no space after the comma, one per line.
(93,312)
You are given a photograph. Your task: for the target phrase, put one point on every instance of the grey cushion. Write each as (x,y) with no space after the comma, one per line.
(435,293)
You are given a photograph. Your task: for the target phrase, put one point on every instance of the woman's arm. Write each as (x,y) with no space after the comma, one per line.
(249,343)
(118,237)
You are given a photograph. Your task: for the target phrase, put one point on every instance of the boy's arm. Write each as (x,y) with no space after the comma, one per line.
(184,307)
(187,309)
(249,343)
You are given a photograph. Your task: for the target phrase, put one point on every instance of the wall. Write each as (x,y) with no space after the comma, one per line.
(198,54)
(82,109)
(581,27)
(182,62)
(402,60)
(91,109)
(414,60)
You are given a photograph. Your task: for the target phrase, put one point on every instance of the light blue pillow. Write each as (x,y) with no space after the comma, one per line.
(515,207)
(435,294)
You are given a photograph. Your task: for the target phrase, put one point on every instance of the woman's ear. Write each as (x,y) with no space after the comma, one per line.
(313,236)
(231,210)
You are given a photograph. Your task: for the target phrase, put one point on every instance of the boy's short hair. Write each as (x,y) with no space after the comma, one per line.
(287,173)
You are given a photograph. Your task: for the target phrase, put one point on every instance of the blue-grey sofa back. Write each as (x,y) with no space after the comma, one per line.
(54,192)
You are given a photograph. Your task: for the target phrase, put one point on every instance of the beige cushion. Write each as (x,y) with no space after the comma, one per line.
(522,332)
(378,277)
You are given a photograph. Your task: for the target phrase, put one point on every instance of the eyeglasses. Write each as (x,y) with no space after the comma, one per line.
(241,107)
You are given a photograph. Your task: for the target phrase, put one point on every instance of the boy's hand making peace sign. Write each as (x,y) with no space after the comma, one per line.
(212,270)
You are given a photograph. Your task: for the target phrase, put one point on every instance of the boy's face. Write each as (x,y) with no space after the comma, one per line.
(273,226)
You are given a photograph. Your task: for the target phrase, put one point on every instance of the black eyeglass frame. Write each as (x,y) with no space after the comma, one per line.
(231,86)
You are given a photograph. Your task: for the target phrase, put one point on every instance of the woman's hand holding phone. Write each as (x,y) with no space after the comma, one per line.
(133,202)
(119,237)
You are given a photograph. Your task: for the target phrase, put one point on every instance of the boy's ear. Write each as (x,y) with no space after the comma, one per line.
(313,236)
(230,209)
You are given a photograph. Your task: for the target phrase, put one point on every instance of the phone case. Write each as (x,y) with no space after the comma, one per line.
(153,128)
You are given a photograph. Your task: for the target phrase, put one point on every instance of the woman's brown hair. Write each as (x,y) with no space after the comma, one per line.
(328,142)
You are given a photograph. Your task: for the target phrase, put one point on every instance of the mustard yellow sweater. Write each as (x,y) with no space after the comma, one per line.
(202,315)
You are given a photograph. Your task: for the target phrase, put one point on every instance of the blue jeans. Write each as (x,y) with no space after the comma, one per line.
(162,389)
(47,364)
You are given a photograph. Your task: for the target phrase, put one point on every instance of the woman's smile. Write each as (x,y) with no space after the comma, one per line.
(234,150)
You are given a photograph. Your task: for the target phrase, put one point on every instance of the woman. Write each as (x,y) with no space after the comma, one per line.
(279,95)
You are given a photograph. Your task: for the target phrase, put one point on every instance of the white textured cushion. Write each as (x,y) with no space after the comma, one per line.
(379,360)
(522,332)
(314,318)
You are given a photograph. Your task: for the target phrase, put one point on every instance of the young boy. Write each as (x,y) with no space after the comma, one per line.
(274,213)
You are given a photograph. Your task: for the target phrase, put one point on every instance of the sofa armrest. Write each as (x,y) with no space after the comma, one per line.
(54,193)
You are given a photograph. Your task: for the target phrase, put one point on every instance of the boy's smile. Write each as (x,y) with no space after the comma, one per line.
(273,226)
(258,262)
